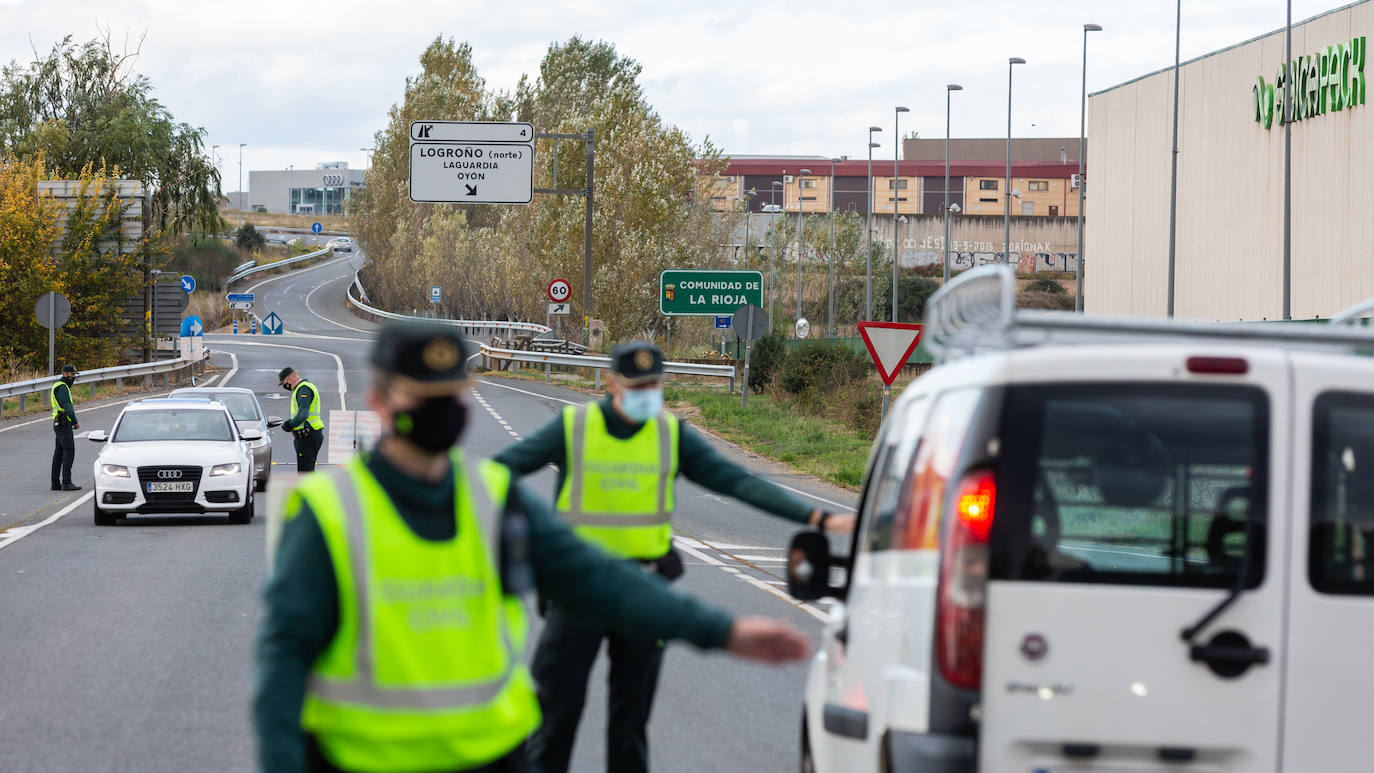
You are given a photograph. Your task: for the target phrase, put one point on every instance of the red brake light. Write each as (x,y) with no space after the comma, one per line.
(963,582)
(1225,366)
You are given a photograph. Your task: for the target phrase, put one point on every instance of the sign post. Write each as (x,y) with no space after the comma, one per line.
(890,344)
(52,310)
(753,321)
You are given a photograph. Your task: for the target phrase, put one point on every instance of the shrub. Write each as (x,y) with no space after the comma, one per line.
(765,361)
(1033,299)
(814,370)
(207,259)
(248,238)
(1044,285)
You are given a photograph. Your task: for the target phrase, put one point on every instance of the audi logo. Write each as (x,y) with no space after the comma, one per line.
(169,474)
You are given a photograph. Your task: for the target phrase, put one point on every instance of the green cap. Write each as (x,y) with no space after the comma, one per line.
(427,358)
(637,362)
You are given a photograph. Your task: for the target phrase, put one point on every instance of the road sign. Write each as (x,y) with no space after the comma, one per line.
(316,228)
(803,327)
(890,344)
(436,293)
(471,131)
(722,323)
(471,162)
(52,305)
(703,293)
(272,325)
(192,326)
(750,322)
(559,290)
(188,283)
(240,297)
(241,305)
(559,308)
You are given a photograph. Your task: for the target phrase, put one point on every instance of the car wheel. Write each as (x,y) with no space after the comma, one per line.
(260,485)
(103,517)
(243,514)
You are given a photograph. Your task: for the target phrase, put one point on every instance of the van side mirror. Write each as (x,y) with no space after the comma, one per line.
(808,567)
(273,421)
(97,435)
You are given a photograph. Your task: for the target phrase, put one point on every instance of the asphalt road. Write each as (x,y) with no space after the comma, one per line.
(129,648)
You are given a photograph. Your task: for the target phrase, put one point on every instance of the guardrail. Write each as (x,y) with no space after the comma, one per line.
(144,370)
(258,269)
(598,362)
(466,326)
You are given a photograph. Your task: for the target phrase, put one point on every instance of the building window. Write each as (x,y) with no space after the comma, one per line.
(808,183)
(987,185)
(993,201)
(901,184)
(808,198)
(1039,185)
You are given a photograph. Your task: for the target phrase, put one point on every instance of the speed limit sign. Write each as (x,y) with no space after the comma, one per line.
(559,290)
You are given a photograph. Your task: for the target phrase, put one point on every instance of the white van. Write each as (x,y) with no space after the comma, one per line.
(1106,545)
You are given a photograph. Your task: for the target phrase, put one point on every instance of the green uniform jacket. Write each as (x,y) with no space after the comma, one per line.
(697,460)
(301,598)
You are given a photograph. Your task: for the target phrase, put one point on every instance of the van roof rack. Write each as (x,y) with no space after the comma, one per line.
(976,312)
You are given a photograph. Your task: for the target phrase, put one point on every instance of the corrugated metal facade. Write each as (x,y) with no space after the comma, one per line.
(1229,256)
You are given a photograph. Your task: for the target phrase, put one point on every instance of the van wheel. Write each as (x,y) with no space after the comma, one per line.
(103,517)
(808,764)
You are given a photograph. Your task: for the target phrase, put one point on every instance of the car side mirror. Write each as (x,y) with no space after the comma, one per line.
(808,567)
(97,435)
(250,434)
(273,421)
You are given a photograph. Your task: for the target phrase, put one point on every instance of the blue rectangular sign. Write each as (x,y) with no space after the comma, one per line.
(435,293)
(239,297)
(722,323)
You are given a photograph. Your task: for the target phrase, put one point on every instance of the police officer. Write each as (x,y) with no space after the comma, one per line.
(305,422)
(617,460)
(63,425)
(392,638)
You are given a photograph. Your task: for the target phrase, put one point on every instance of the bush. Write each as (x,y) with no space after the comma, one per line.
(208,259)
(1038,299)
(1044,285)
(766,361)
(815,370)
(248,238)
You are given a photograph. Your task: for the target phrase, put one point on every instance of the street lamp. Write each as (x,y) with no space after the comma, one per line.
(948,90)
(896,198)
(1082,133)
(1006,218)
(748,196)
(830,320)
(241,146)
(772,248)
(868,259)
(801,227)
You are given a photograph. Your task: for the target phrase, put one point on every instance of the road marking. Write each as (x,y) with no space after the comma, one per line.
(499,418)
(308,308)
(697,549)
(343,382)
(531,394)
(16,533)
(295,273)
(232,371)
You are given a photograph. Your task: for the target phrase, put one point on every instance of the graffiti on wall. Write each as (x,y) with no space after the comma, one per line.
(1028,256)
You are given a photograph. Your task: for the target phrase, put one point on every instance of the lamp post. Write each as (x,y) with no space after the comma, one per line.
(830,319)
(868,259)
(1082,133)
(772,248)
(1006,218)
(801,227)
(896,197)
(1173,175)
(748,197)
(241,146)
(948,90)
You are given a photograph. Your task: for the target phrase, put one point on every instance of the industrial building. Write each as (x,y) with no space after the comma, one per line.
(319,191)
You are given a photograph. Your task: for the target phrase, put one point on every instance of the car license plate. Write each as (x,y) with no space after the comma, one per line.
(171,487)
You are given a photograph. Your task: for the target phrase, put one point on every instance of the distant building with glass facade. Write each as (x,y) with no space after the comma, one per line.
(319,191)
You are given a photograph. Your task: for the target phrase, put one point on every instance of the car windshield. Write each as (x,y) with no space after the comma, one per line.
(241,406)
(174,424)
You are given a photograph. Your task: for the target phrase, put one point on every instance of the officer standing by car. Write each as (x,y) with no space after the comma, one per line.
(64,424)
(617,460)
(392,638)
(305,422)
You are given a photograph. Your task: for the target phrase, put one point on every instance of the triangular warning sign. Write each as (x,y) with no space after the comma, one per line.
(890,344)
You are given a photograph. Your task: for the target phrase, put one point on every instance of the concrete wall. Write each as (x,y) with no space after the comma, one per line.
(1229,256)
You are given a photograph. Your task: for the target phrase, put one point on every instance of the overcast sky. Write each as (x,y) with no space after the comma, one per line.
(307,81)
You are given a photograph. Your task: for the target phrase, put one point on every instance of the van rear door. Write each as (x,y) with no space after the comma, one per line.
(1331,610)
(1125,512)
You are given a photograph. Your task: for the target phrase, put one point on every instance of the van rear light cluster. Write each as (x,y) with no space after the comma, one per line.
(1219,366)
(964,581)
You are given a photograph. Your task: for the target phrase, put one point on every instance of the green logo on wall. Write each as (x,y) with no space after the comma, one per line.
(1329,80)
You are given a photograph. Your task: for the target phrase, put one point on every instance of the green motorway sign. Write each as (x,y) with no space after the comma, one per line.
(706,293)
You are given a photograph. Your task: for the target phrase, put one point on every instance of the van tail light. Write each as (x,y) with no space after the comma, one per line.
(964,582)
(1219,366)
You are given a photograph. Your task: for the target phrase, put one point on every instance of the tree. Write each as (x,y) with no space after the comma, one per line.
(28,227)
(249,238)
(82,105)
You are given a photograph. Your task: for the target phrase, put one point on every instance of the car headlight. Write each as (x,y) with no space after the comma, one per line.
(114,470)
(219,470)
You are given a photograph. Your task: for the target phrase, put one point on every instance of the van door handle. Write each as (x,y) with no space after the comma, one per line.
(1229,654)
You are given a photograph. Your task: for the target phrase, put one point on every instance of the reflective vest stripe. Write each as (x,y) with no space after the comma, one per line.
(362,688)
(577,516)
(313,419)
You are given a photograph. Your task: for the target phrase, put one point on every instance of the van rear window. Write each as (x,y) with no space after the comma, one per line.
(1142,484)
(1341,544)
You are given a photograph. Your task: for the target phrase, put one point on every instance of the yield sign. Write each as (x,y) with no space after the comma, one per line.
(890,344)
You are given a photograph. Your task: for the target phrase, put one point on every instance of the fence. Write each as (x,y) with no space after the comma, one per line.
(89,378)
(270,266)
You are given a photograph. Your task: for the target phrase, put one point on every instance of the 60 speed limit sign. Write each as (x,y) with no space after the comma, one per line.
(559,290)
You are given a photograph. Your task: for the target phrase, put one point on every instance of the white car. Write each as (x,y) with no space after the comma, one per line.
(174,456)
(341,244)
(1095,544)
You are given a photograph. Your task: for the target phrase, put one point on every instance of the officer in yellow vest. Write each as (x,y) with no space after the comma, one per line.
(305,422)
(617,460)
(392,638)
(63,424)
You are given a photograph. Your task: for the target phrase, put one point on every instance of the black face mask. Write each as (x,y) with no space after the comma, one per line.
(69,379)
(287,387)
(435,425)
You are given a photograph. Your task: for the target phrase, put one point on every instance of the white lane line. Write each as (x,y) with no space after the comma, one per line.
(319,316)
(761,559)
(697,549)
(499,418)
(93,408)
(531,394)
(11,536)
(343,382)
(232,370)
(296,273)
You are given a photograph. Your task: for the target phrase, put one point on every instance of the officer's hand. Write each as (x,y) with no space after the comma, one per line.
(840,523)
(76,426)
(766,640)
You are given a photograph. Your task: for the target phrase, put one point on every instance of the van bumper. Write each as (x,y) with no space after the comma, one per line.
(923,753)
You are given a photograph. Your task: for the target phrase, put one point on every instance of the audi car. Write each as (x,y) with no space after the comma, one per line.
(174,455)
(243,405)
(341,244)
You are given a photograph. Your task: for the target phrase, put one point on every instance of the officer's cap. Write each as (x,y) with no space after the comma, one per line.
(69,369)
(637,362)
(428,359)
(284,373)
